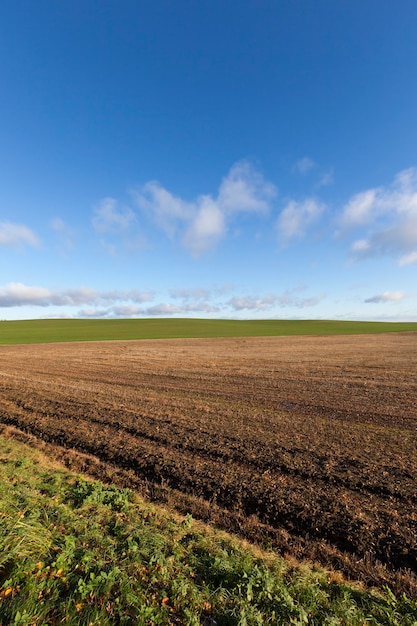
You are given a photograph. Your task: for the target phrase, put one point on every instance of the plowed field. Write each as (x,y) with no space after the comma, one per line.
(307,443)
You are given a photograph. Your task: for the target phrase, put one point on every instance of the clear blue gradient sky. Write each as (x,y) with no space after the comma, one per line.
(210,158)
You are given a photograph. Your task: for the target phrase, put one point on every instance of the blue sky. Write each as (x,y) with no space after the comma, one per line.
(219,158)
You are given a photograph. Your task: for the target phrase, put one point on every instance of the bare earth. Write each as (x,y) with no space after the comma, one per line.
(306,443)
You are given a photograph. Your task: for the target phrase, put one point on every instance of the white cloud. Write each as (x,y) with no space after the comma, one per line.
(125,310)
(361,209)
(18,294)
(164,309)
(167,210)
(296,217)
(196,299)
(304,303)
(289,298)
(400,237)
(244,189)
(133,295)
(122,310)
(361,247)
(304,165)
(408,259)
(206,229)
(202,223)
(201,307)
(71,297)
(252,303)
(390,215)
(16,235)
(387,296)
(93,313)
(167,308)
(108,217)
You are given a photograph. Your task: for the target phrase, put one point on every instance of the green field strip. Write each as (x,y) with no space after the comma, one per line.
(68,330)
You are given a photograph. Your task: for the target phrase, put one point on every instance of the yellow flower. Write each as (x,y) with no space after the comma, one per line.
(60,572)
(165,600)
(7,592)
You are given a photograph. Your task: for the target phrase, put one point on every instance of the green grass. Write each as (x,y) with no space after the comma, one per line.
(44,331)
(76,552)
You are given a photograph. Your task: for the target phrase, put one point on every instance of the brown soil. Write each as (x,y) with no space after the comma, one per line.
(307,444)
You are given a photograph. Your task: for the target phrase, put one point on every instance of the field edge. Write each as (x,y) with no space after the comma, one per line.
(236,583)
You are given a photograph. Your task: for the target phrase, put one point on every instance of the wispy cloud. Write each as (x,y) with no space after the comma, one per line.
(304,303)
(326,179)
(118,227)
(297,217)
(64,233)
(17,235)
(304,165)
(18,294)
(167,210)
(252,303)
(109,217)
(202,223)
(134,295)
(287,299)
(93,313)
(387,296)
(408,259)
(290,299)
(163,309)
(168,309)
(390,217)
(135,303)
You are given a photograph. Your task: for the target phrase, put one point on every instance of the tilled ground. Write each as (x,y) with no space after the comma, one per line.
(308,443)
